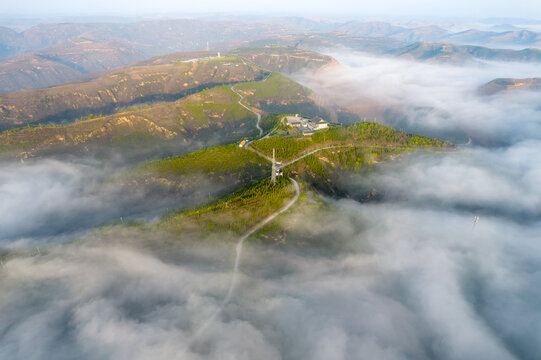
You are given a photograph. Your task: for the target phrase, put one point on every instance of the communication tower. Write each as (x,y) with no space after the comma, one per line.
(273,174)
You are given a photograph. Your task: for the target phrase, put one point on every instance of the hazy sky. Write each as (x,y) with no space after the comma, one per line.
(461,8)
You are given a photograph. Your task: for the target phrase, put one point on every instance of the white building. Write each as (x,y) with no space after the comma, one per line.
(319,123)
(295,121)
(307,126)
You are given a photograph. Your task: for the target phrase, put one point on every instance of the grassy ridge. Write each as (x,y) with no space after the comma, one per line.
(211,161)
(277,87)
(237,212)
(279,94)
(217,102)
(361,134)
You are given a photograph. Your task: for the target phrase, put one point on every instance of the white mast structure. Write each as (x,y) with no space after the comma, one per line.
(273,174)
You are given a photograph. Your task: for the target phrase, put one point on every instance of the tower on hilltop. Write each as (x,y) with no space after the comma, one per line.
(273,174)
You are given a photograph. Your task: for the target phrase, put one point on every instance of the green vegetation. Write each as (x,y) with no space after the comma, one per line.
(360,134)
(276,87)
(237,212)
(33,126)
(227,112)
(219,102)
(271,122)
(225,159)
(133,108)
(324,169)
(315,166)
(279,94)
(90,116)
(346,158)
(128,142)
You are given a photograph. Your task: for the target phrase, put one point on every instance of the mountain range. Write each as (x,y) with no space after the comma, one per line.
(46,55)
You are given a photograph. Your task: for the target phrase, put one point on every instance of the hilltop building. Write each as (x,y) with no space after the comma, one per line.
(319,123)
(306,126)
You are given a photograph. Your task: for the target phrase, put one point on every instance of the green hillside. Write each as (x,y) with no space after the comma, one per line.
(359,134)
(236,212)
(276,89)
(215,161)
(228,166)
(279,94)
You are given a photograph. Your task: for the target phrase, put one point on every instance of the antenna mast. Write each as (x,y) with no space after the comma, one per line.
(273,174)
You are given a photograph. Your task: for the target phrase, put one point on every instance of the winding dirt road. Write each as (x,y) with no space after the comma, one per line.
(249,109)
(235,275)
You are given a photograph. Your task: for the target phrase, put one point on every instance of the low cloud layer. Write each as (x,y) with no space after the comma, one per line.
(45,199)
(406,283)
(498,182)
(433,99)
